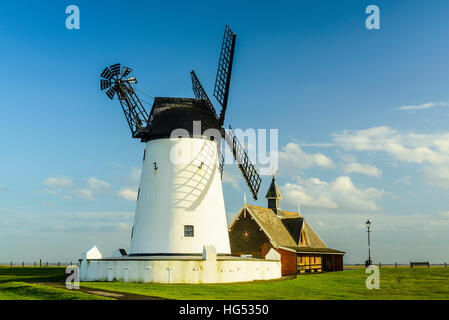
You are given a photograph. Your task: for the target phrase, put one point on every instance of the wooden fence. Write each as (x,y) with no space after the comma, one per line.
(400,265)
(37,264)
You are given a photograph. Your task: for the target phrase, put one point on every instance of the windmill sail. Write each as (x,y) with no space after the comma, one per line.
(249,172)
(223,81)
(200,93)
(135,113)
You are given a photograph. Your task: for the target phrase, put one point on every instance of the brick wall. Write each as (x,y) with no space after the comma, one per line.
(247,238)
(288,262)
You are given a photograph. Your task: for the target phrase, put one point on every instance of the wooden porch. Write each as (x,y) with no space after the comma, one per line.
(309,263)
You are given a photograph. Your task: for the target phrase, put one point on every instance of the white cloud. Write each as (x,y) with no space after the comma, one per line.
(51,191)
(351,197)
(422,106)
(93,187)
(295,194)
(437,175)
(292,156)
(338,194)
(99,215)
(409,147)
(58,182)
(366,169)
(135,175)
(128,194)
(403,180)
(444,215)
(97,185)
(429,150)
(317,145)
(130,185)
(232,178)
(346,157)
(64,188)
(85,194)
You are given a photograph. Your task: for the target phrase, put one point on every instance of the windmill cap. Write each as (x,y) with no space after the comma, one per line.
(169,114)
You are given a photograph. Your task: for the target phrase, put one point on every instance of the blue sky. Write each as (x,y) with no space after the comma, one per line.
(362,117)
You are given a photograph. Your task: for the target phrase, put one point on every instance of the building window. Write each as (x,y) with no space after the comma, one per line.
(189,231)
(144,154)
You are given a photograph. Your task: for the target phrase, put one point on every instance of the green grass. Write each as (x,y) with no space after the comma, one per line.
(14,285)
(401,283)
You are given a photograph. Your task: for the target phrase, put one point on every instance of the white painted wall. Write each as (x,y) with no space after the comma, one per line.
(92,253)
(181,271)
(179,194)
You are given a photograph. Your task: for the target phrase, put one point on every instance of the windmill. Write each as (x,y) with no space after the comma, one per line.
(168,191)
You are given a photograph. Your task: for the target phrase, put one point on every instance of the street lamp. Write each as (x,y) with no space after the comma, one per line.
(368,262)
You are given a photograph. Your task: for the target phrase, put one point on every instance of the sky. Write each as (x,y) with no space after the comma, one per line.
(362,117)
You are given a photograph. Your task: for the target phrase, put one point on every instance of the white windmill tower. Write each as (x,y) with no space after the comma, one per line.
(180,205)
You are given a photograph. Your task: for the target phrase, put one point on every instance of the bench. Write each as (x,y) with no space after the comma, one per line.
(420,264)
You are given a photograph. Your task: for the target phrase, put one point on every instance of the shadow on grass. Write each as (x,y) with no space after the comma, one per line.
(32,274)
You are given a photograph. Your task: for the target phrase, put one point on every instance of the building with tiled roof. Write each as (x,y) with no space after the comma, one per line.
(255,231)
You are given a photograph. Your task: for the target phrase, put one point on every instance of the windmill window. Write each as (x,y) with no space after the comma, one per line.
(189,231)
(144,155)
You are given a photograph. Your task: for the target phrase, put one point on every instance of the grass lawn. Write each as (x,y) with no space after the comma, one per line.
(401,283)
(14,285)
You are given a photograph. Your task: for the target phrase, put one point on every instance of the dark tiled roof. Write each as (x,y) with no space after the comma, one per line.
(272,225)
(285,227)
(294,227)
(313,240)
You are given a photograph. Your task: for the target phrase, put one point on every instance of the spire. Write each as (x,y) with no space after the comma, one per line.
(274,196)
(273,191)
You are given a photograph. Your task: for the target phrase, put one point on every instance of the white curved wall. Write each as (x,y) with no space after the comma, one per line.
(177,194)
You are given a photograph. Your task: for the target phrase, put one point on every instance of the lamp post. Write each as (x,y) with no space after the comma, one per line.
(368,262)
